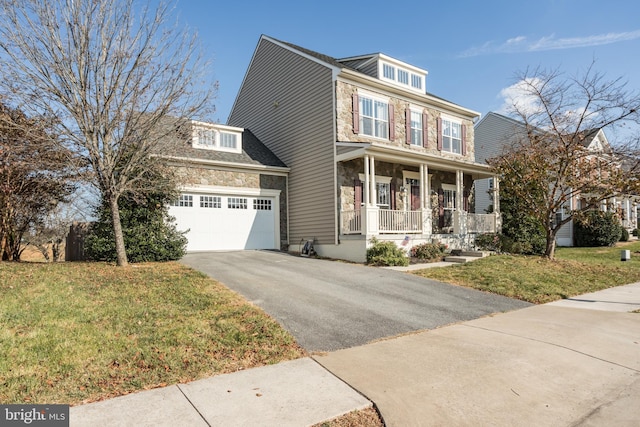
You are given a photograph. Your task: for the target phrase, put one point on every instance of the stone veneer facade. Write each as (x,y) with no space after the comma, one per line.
(349,171)
(344,111)
(209,176)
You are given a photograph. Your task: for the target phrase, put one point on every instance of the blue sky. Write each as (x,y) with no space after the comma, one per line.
(471,49)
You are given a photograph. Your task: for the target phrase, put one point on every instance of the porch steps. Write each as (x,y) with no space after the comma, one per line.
(465,256)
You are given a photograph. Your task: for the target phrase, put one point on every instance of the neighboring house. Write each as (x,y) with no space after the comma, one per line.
(371,153)
(233,190)
(495,133)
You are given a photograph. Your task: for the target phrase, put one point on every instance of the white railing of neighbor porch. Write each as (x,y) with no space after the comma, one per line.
(481,223)
(391,221)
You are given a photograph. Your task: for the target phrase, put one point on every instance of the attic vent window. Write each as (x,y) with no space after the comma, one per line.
(217,137)
(389,71)
(402,76)
(416,81)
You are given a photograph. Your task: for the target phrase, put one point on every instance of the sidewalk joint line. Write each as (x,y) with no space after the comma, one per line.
(554,344)
(193,406)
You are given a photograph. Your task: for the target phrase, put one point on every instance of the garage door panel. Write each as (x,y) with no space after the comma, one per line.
(222,227)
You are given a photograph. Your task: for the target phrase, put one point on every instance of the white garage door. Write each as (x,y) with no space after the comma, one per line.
(226,222)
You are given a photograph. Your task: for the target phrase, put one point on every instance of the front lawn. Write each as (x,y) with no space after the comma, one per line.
(80,332)
(530,278)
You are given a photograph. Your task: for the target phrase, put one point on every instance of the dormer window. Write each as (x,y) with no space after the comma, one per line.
(401,74)
(217,137)
(403,77)
(389,71)
(416,81)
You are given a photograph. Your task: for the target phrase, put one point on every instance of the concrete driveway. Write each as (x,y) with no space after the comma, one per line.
(330,305)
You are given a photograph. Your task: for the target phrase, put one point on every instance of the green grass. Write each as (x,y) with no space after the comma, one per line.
(574,271)
(80,332)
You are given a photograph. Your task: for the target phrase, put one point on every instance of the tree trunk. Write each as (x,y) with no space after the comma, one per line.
(550,248)
(121,253)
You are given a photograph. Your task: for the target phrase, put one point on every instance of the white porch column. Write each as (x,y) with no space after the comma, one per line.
(372,181)
(459,215)
(425,199)
(496,203)
(366,181)
(370,213)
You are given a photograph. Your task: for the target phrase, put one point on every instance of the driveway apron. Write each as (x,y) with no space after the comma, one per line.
(330,305)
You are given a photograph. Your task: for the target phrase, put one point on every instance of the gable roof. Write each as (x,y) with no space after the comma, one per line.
(352,63)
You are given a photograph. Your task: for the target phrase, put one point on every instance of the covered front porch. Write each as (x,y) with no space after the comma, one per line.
(412,199)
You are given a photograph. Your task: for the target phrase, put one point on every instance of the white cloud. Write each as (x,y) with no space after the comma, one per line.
(519,97)
(523,44)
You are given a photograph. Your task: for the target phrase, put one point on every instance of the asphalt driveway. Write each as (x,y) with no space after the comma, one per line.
(330,305)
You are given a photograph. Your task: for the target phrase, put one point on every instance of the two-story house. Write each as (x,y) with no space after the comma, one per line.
(496,132)
(371,153)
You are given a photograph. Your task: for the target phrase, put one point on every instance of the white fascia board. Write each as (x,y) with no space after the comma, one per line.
(357,78)
(217,126)
(405,155)
(402,64)
(231,166)
(242,191)
(359,151)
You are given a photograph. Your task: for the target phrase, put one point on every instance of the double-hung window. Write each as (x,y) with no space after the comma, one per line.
(383,191)
(383,194)
(416,128)
(451,136)
(374,117)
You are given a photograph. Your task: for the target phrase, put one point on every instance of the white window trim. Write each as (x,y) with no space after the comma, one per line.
(452,120)
(420,112)
(218,130)
(378,180)
(453,188)
(374,97)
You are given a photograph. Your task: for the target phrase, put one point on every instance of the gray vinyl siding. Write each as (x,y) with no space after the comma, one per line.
(482,197)
(286,100)
(371,69)
(492,135)
(355,63)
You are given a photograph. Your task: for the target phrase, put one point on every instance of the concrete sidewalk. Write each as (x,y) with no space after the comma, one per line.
(571,363)
(294,393)
(574,362)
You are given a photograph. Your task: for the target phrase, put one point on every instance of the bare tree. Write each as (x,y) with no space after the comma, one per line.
(35,177)
(550,163)
(117,76)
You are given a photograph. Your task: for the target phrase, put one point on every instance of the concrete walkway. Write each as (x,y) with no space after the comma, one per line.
(574,362)
(295,393)
(570,363)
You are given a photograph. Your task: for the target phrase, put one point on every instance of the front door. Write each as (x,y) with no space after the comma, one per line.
(414,193)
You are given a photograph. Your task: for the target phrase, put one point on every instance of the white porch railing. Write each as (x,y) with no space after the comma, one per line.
(351,222)
(481,223)
(390,221)
(411,222)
